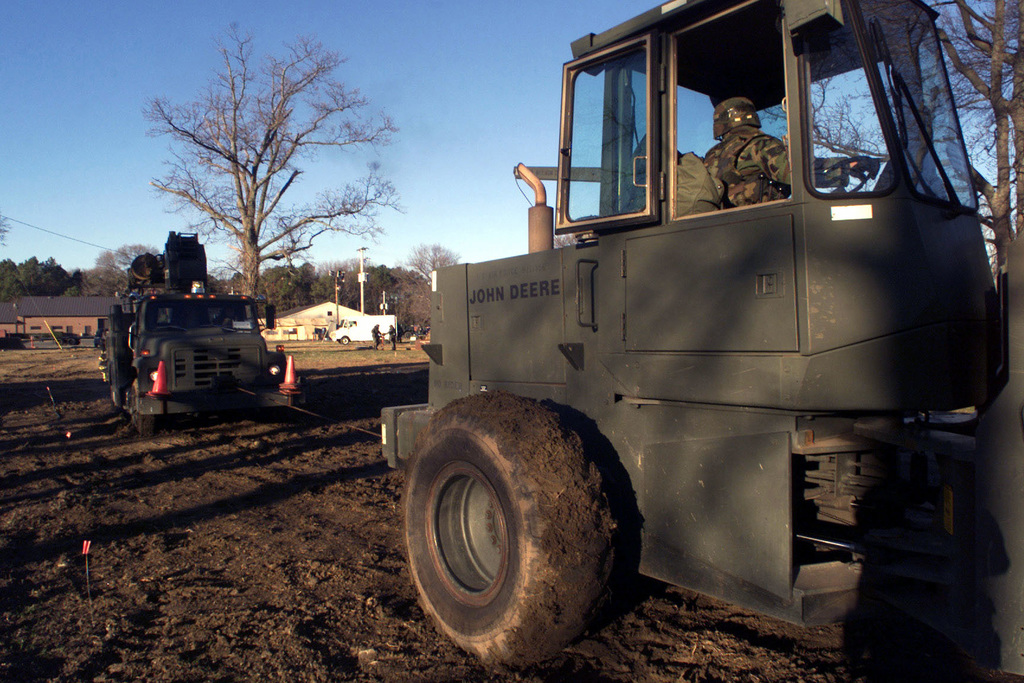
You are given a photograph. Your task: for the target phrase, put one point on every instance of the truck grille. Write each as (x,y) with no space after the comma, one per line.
(199,368)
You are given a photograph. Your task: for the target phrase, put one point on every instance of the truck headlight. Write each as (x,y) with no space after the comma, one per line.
(274,370)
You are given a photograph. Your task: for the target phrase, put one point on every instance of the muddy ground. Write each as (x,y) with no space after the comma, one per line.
(242,548)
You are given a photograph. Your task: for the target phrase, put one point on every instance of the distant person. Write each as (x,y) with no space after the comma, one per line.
(393,335)
(376,336)
(753,165)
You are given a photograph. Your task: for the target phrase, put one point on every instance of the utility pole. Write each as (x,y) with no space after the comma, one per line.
(339,277)
(362,283)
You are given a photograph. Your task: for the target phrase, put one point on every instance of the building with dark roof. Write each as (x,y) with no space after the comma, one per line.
(78,315)
(8,318)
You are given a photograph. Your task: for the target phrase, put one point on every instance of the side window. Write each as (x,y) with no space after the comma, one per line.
(849,151)
(694,116)
(606,150)
(773,121)
(729,125)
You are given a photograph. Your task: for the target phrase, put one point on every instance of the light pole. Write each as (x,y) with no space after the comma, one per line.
(362,283)
(339,277)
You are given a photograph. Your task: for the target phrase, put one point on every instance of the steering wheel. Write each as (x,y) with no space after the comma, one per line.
(861,168)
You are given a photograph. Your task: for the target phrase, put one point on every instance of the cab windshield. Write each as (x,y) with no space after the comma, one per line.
(850,154)
(909,61)
(194,314)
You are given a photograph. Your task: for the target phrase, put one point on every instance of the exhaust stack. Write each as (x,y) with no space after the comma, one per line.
(541,217)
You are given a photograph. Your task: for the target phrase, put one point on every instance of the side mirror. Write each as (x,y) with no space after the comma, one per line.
(271,317)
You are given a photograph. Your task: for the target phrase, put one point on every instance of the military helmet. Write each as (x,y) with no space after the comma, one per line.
(732,113)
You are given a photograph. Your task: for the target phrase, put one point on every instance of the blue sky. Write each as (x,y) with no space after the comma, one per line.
(474,88)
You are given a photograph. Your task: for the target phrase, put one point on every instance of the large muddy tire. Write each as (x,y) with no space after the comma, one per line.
(507,531)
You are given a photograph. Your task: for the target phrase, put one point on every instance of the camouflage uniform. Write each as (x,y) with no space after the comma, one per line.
(753,165)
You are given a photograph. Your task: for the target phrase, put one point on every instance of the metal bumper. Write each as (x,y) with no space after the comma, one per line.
(399,428)
(204,401)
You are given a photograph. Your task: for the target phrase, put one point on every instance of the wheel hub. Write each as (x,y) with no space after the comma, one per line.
(470,539)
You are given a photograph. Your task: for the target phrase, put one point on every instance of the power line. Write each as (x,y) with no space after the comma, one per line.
(67,237)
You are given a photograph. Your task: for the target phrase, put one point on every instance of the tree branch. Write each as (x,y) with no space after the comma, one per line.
(240,144)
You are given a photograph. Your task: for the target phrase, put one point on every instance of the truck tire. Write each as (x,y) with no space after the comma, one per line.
(145,424)
(507,531)
(344,341)
(117,397)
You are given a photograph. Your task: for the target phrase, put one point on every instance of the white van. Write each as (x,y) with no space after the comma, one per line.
(361,329)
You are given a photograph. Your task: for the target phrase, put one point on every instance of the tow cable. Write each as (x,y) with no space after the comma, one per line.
(317,415)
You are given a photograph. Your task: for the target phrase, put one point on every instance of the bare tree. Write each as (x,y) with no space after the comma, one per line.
(4,227)
(237,147)
(845,123)
(110,274)
(982,41)
(426,258)
(414,282)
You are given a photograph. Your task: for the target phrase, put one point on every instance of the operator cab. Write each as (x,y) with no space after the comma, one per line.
(870,253)
(860,98)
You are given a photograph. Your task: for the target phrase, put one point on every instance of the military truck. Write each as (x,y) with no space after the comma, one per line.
(171,348)
(804,406)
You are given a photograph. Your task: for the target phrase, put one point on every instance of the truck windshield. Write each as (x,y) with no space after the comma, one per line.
(909,61)
(194,314)
(607,152)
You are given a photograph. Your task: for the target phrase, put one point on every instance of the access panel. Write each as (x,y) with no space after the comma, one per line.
(726,288)
(515,314)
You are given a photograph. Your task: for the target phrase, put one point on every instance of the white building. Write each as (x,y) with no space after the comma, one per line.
(307,323)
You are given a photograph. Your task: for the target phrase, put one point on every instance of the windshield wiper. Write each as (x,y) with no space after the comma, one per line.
(901,92)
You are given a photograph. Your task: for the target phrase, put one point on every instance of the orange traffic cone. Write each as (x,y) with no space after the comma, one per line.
(289,385)
(159,389)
